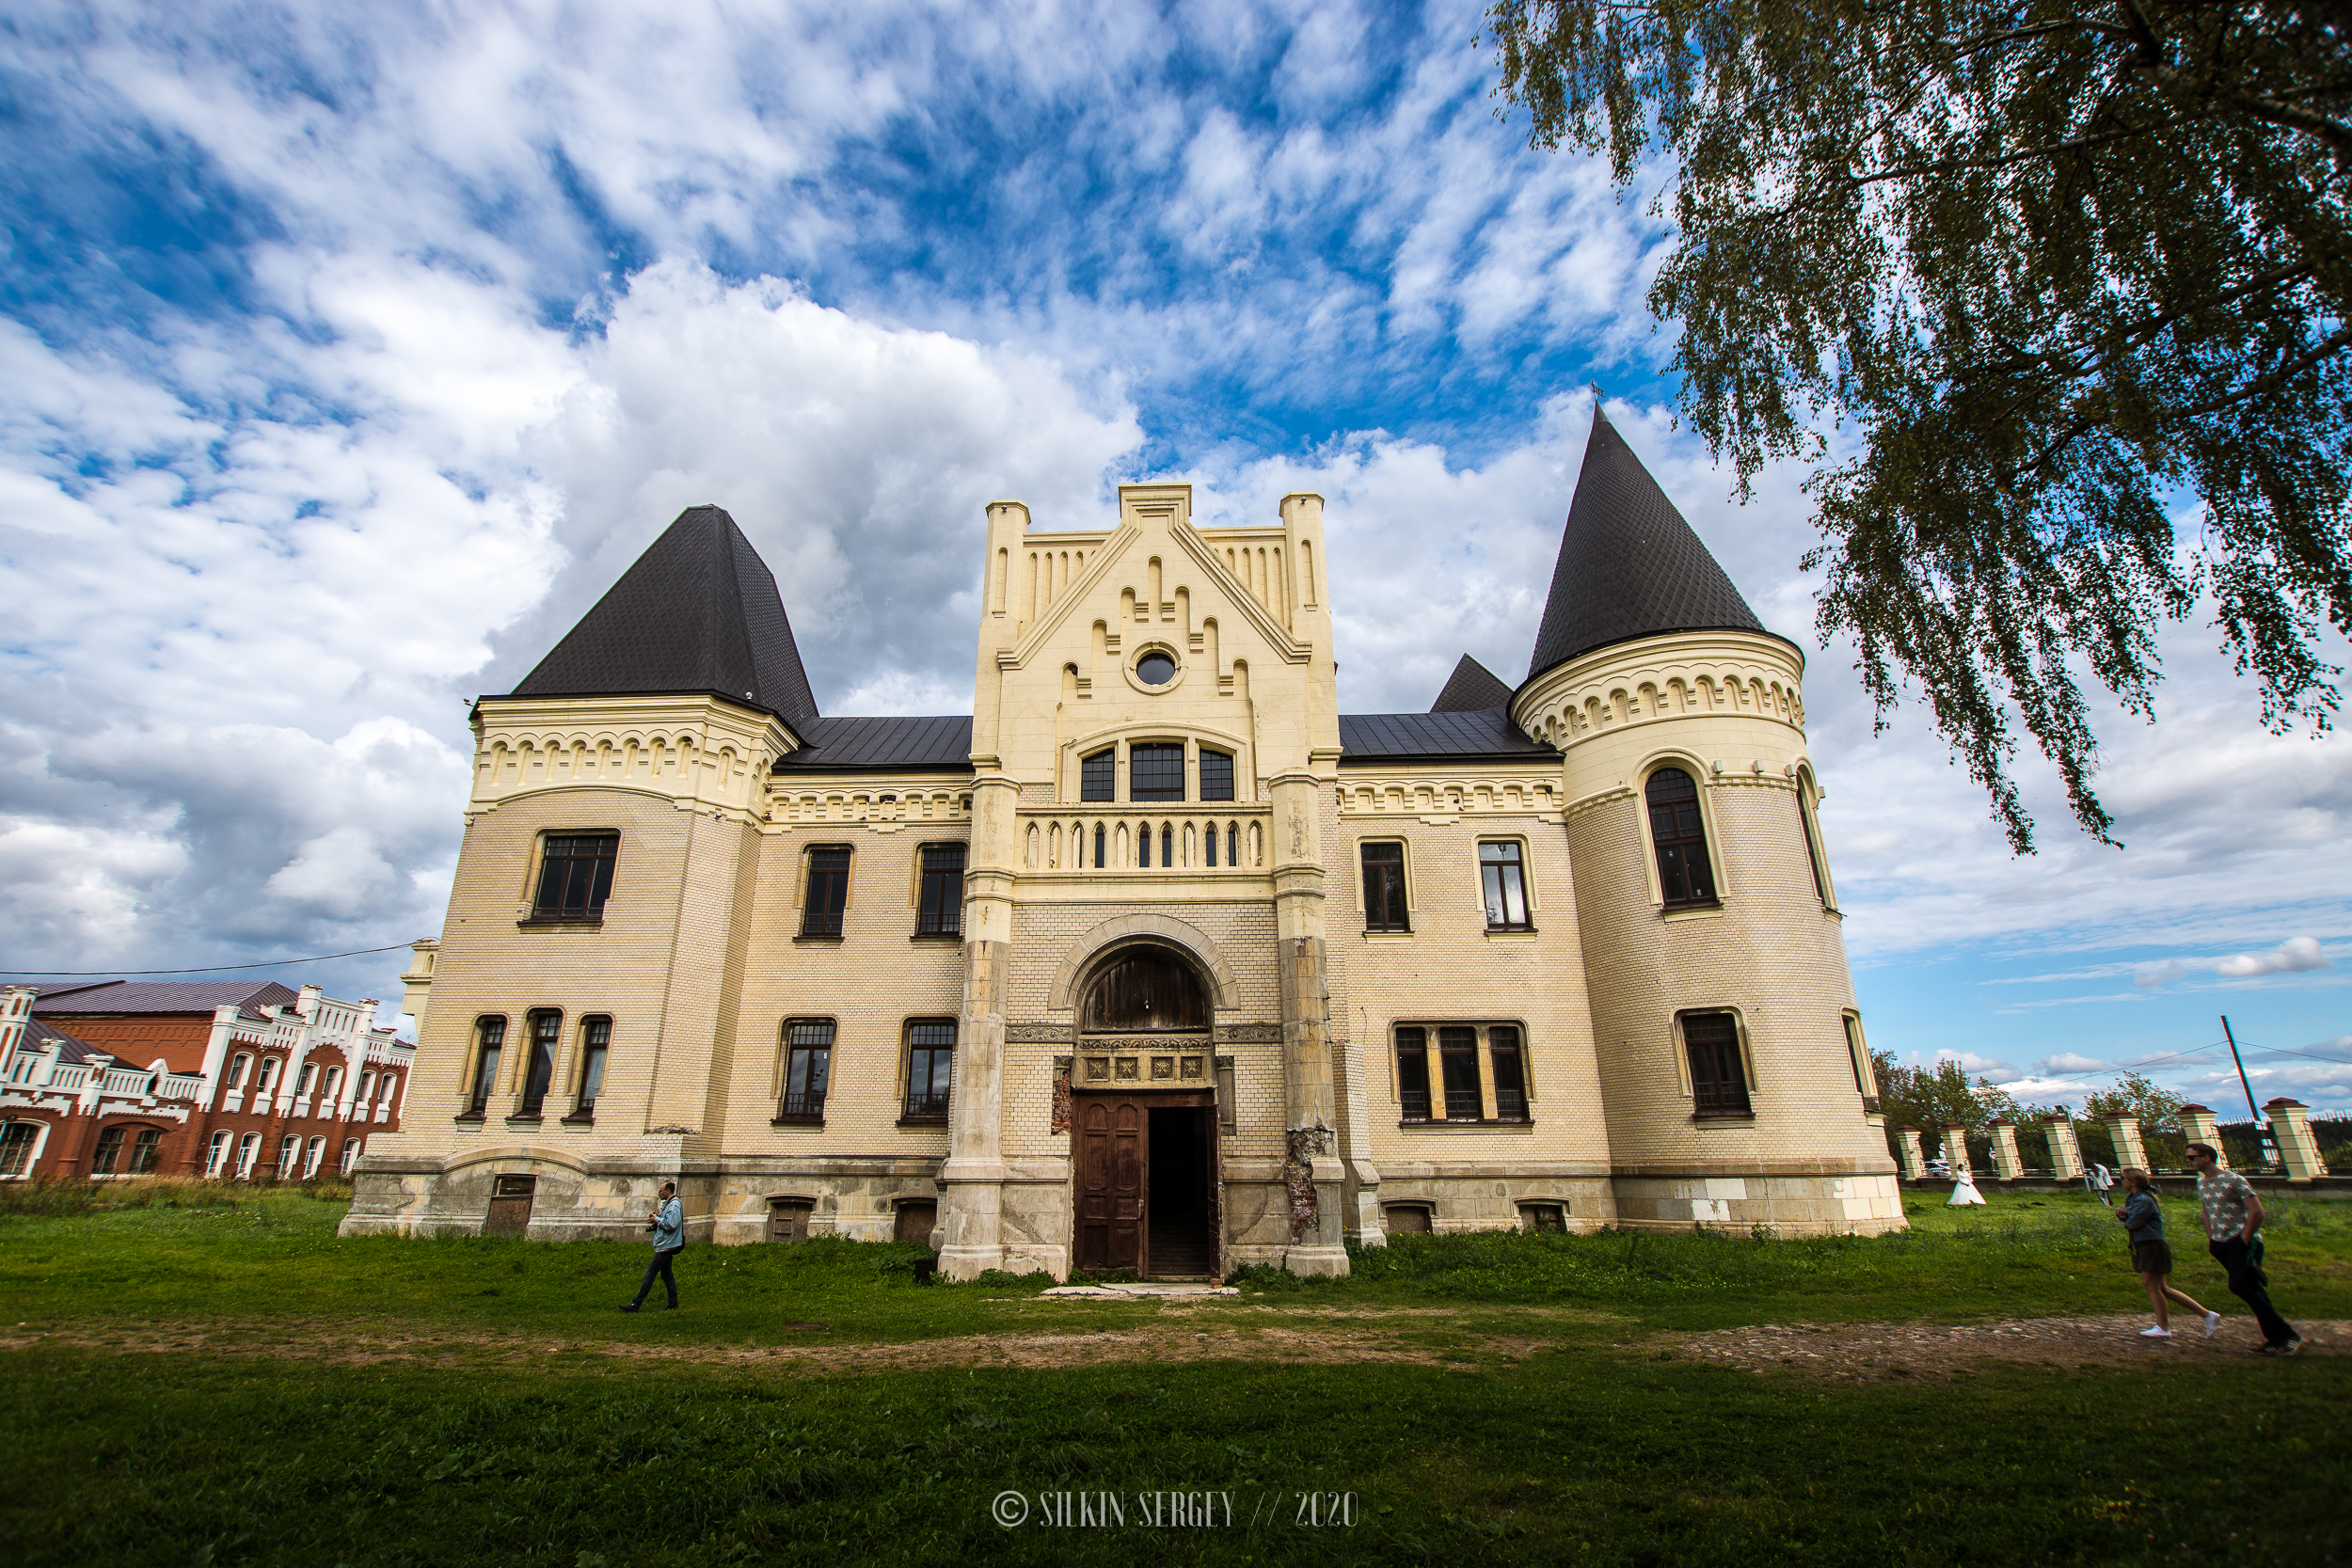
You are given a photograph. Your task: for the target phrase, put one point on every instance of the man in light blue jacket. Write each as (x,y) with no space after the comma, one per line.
(668,1225)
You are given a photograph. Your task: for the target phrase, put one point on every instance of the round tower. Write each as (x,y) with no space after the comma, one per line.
(1738,1087)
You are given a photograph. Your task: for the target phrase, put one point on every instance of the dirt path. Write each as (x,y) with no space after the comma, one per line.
(1867,1352)
(1455,1336)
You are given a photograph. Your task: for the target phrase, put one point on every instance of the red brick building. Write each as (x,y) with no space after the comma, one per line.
(203,1078)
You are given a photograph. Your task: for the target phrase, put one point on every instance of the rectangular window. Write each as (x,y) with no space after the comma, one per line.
(595,1043)
(827,891)
(1718,1087)
(576,875)
(1216,775)
(1457,1056)
(109,1152)
(807,1065)
(1098,776)
(941,910)
(146,1152)
(16,1147)
(1506,882)
(486,1073)
(1502,1049)
(1155,772)
(930,1067)
(1413,1073)
(1384,888)
(546,1031)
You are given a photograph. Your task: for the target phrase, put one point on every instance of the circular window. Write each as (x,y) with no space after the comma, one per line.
(1155,669)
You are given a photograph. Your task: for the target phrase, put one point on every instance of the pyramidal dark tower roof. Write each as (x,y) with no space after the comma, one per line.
(1471,689)
(1629,567)
(698,612)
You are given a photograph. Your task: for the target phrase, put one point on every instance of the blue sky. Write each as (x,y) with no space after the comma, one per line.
(347,353)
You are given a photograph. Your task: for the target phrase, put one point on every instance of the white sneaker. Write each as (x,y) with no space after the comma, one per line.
(2153,1332)
(2213,1324)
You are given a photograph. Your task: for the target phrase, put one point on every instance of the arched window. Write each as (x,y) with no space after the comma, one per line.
(1684,876)
(236,1071)
(1145,988)
(1098,846)
(1806,826)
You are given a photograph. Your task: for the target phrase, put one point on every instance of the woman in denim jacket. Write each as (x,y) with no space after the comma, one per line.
(2153,1256)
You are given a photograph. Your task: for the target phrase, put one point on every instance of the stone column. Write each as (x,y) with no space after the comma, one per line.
(1907,1155)
(1956,1149)
(2006,1165)
(2066,1155)
(2297,1149)
(2199,1127)
(1312,1175)
(2124,1130)
(972,1179)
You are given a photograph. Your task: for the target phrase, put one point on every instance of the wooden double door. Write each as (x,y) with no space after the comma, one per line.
(1146,1179)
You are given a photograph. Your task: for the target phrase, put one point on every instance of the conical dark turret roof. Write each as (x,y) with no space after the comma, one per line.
(698,612)
(1629,567)
(1471,689)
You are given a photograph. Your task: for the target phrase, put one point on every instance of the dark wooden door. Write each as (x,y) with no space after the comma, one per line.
(510,1206)
(1113,1176)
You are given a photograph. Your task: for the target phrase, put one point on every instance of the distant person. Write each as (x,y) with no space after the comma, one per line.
(668,1225)
(1964,1191)
(2102,1184)
(2152,1254)
(2234,1223)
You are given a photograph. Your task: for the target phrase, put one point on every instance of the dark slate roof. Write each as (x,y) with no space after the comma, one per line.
(1470,687)
(116,997)
(698,612)
(880,745)
(1485,735)
(1629,567)
(41,1037)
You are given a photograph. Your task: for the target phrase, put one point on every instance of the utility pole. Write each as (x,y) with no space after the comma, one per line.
(2262,1128)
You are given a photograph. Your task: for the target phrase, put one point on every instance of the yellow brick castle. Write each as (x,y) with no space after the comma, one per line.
(1157,961)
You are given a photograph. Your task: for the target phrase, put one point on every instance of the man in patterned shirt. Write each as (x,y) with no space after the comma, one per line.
(2233,1221)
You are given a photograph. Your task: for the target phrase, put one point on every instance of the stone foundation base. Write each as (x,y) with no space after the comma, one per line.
(1783,1205)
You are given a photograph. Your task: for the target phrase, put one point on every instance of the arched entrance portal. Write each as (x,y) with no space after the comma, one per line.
(1144,1126)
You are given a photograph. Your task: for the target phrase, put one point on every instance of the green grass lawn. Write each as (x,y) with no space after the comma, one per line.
(525,1421)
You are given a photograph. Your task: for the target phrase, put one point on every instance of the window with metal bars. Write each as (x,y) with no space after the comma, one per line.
(939,910)
(1719,1081)
(930,1067)
(807,1066)
(576,875)
(1216,775)
(1679,835)
(1413,1073)
(1457,1059)
(1384,888)
(1098,776)
(1155,772)
(1510,1072)
(828,890)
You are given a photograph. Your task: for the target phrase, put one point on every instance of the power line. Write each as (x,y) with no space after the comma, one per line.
(209,969)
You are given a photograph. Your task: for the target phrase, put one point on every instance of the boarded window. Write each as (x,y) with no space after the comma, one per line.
(1145,988)
(788,1219)
(1719,1084)
(915,1220)
(1408,1219)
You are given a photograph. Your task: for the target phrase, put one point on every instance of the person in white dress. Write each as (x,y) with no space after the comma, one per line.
(1965,1192)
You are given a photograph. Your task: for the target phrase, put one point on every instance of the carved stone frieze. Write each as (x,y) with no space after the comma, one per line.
(1248,1034)
(1037,1034)
(1132,1043)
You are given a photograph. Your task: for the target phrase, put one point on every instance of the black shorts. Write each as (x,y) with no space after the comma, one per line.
(2152,1258)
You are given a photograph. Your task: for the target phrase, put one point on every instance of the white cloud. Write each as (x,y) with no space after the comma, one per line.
(2067,1061)
(2291,957)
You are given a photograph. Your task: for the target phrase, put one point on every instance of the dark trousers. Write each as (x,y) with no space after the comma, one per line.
(661,1265)
(2246,1283)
